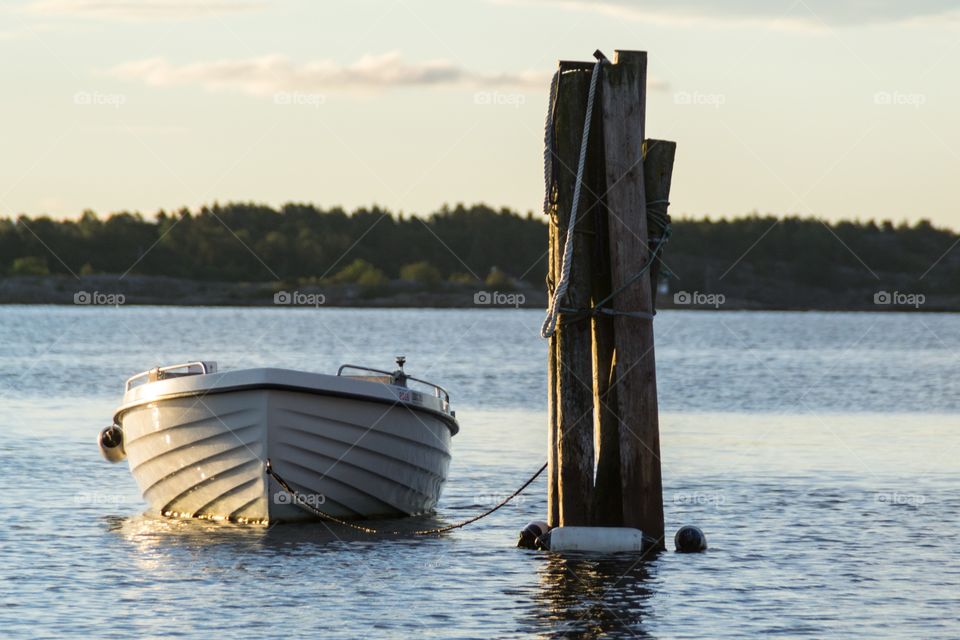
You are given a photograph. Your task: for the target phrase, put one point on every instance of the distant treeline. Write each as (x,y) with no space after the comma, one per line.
(807,263)
(773,261)
(247,242)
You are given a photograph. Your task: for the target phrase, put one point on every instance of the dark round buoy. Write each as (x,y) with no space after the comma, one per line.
(532,534)
(111,444)
(690,539)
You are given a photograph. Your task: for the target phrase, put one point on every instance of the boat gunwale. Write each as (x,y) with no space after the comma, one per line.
(448,420)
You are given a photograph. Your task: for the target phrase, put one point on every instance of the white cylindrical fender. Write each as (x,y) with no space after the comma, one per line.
(596,539)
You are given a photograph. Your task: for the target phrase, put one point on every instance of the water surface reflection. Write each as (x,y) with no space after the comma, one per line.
(594,596)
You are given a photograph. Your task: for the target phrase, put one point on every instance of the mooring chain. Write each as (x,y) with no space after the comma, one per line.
(302,502)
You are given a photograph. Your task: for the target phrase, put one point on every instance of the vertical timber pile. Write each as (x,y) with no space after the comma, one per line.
(573,340)
(658,158)
(624,110)
(607,492)
(553,483)
(604,437)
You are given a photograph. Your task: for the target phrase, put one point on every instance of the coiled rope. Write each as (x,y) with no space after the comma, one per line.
(553,311)
(548,145)
(302,502)
(656,218)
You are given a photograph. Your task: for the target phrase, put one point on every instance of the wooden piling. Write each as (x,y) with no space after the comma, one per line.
(602,376)
(607,510)
(553,482)
(574,389)
(624,107)
(658,156)
(606,503)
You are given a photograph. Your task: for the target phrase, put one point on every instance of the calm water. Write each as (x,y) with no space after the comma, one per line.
(818,452)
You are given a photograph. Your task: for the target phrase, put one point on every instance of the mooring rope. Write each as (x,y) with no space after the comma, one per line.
(575,315)
(300,501)
(548,144)
(553,311)
(662,240)
(658,217)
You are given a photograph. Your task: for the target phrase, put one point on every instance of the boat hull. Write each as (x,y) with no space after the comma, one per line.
(204,455)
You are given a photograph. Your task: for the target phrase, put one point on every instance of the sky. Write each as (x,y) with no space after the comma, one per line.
(836,109)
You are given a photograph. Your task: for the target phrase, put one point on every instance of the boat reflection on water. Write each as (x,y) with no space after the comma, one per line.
(171,545)
(306,569)
(150,532)
(592,596)
(543,594)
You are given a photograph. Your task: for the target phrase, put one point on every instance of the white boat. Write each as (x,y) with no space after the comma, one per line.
(364,443)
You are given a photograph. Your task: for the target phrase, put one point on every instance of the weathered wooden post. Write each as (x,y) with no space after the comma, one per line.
(624,110)
(553,484)
(602,380)
(573,339)
(607,500)
(658,158)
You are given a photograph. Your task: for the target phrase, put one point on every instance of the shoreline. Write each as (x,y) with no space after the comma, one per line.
(137,290)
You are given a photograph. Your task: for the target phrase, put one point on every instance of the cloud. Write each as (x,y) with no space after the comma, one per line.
(790,14)
(141,10)
(27,31)
(276,73)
